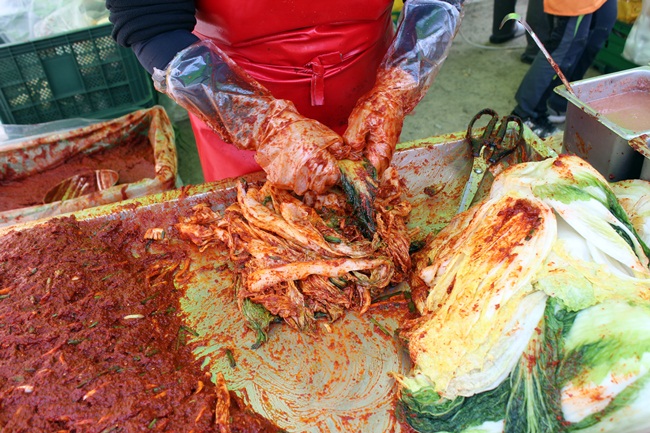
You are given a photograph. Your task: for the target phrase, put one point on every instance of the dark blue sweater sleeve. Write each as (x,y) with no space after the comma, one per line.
(155,29)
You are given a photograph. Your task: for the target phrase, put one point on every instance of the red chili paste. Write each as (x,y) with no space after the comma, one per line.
(91,338)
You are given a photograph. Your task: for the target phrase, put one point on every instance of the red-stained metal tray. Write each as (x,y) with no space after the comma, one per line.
(23,160)
(339,378)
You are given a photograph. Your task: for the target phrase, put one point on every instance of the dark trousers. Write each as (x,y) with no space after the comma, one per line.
(540,22)
(535,17)
(502,8)
(573,44)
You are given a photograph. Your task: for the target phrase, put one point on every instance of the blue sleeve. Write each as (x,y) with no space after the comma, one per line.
(155,29)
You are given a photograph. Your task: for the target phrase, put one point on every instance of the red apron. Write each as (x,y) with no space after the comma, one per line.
(320,55)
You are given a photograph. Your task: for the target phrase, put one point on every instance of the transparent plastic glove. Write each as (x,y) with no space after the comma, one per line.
(292,149)
(423,38)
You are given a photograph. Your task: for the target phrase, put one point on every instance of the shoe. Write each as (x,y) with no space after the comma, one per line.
(541,126)
(527,58)
(517,31)
(555,116)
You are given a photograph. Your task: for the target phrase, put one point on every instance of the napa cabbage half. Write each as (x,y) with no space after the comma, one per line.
(569,347)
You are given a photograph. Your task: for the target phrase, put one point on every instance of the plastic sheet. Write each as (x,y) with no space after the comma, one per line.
(293,150)
(11,134)
(23,20)
(637,45)
(49,147)
(424,35)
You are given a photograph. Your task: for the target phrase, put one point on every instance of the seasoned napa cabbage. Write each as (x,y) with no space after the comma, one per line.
(634,196)
(476,318)
(568,348)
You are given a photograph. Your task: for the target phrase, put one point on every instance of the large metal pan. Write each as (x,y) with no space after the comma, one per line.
(339,378)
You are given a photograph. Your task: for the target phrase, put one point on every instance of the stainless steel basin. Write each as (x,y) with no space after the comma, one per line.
(597,139)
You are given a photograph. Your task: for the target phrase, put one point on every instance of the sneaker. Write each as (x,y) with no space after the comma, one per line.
(555,116)
(527,58)
(517,31)
(541,126)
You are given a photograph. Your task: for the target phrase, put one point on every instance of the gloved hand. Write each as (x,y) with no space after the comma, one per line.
(292,149)
(423,38)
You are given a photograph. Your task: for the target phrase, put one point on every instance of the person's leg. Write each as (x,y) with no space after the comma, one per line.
(541,23)
(500,9)
(566,44)
(602,23)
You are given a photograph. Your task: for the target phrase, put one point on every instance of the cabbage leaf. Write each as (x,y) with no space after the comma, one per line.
(568,348)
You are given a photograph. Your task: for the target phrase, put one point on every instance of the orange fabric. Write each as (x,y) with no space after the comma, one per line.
(322,56)
(572,8)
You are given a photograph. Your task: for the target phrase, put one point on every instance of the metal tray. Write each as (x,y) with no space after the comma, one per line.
(596,138)
(339,378)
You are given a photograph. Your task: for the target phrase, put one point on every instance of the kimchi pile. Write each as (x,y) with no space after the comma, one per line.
(298,257)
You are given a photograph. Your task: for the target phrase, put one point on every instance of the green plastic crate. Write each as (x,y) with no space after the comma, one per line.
(84,73)
(610,57)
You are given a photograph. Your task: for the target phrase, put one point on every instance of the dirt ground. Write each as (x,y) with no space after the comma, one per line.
(476,75)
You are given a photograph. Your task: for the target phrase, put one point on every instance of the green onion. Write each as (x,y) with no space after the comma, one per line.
(416,246)
(338,282)
(332,239)
(381,327)
(190,330)
(231,358)
(411,304)
(148,298)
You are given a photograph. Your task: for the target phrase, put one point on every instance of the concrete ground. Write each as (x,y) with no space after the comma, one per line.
(476,75)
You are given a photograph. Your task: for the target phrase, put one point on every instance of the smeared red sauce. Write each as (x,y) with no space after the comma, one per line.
(524,209)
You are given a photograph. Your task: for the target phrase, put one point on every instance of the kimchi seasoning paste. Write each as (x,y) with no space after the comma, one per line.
(91,338)
(133,160)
